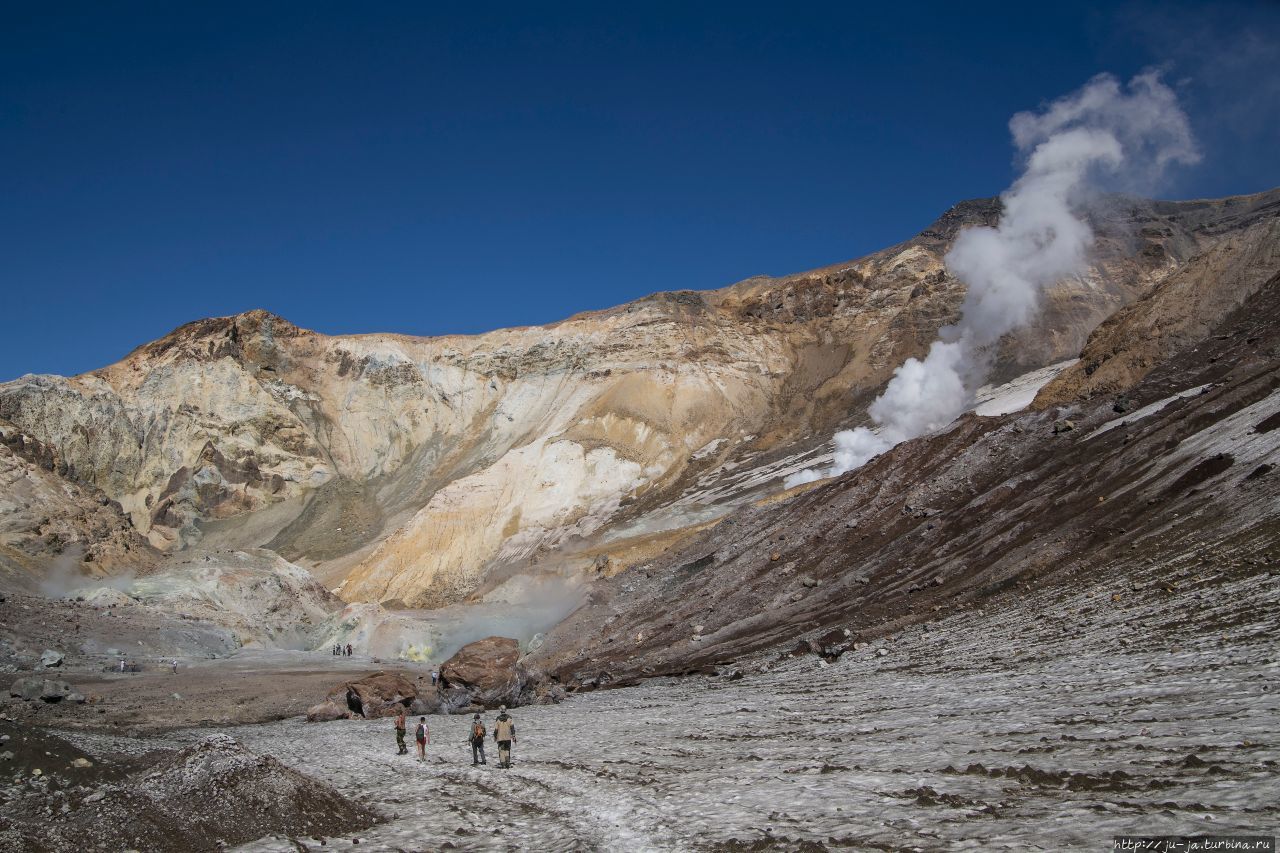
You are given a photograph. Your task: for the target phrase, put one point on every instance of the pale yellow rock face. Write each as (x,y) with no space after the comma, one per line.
(46,519)
(422,468)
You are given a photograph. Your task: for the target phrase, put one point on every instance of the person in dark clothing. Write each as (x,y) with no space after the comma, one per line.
(401,725)
(348,650)
(477,740)
(504,732)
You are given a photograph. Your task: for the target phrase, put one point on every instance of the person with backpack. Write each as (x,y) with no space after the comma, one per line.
(423,737)
(504,732)
(477,741)
(401,724)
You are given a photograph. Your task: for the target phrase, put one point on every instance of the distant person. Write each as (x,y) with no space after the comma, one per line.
(504,732)
(435,677)
(478,733)
(401,726)
(348,650)
(174,663)
(122,664)
(423,737)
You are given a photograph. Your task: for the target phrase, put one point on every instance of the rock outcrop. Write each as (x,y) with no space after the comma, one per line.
(47,520)
(1176,314)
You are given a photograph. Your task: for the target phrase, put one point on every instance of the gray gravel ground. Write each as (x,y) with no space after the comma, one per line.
(1060,719)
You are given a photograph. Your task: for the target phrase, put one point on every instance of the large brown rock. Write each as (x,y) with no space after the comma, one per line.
(382,694)
(488,673)
(485,665)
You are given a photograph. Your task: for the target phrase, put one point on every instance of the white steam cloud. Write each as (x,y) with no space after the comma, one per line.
(1102,134)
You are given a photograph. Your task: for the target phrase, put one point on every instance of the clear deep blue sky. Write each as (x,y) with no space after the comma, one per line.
(437,168)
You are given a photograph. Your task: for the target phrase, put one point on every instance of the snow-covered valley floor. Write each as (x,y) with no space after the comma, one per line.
(1056,723)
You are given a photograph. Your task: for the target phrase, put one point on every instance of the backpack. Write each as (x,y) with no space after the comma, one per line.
(421,733)
(477,731)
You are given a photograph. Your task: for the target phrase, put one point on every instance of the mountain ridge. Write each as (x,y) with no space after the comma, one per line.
(414,468)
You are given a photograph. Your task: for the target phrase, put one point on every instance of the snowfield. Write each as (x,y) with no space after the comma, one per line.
(1053,724)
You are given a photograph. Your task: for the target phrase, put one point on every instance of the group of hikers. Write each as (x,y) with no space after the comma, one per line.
(504,734)
(340,650)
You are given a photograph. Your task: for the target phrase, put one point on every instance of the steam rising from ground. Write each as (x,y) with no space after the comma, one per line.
(522,608)
(66,574)
(1102,135)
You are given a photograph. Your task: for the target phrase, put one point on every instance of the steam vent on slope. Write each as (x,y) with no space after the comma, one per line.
(1044,609)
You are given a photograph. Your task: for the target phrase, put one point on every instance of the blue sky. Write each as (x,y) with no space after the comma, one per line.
(429,168)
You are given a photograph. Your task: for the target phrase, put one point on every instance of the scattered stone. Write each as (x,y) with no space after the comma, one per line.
(51,658)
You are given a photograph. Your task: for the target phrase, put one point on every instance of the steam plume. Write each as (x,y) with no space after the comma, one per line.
(1101,134)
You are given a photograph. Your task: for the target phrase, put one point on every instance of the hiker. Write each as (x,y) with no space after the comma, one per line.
(401,724)
(348,650)
(423,737)
(504,732)
(435,677)
(477,741)
(174,663)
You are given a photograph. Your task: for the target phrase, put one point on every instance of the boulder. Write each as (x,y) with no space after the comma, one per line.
(326,711)
(382,694)
(51,658)
(45,689)
(487,672)
(426,702)
(485,665)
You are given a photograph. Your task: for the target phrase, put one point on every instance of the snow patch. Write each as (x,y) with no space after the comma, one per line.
(1139,414)
(1016,394)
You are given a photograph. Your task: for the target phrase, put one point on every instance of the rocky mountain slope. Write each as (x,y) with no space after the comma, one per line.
(427,471)
(1168,488)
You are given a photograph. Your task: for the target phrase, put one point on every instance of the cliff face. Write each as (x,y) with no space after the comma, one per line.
(47,520)
(423,469)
